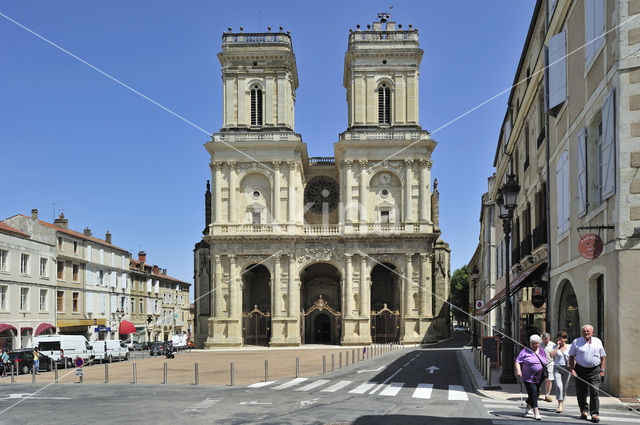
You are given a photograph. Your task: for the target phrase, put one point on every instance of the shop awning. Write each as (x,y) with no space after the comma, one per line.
(23,330)
(7,327)
(517,283)
(43,327)
(126,328)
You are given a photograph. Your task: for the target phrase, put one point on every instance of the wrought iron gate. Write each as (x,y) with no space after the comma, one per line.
(256,327)
(320,304)
(385,325)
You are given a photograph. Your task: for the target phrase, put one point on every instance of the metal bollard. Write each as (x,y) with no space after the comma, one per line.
(324,364)
(266,370)
(297,367)
(55,372)
(33,374)
(232,373)
(353,356)
(489,371)
(106,373)
(13,377)
(333,362)
(346,358)
(340,360)
(135,373)
(164,381)
(196,372)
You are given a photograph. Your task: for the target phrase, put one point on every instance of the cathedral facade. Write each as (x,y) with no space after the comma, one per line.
(334,250)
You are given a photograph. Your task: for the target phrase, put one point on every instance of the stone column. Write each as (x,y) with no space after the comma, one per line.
(365,288)
(217,192)
(233,289)
(276,192)
(424,195)
(348,289)
(232,192)
(293,290)
(277,289)
(425,287)
(347,191)
(219,297)
(213,296)
(300,200)
(363,191)
(407,190)
(292,193)
(408,286)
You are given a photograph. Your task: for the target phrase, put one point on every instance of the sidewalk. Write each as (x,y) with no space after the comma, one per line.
(511,392)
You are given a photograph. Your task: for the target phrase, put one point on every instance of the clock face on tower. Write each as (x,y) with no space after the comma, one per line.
(321,194)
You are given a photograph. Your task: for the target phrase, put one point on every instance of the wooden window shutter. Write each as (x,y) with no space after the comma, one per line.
(607,149)
(582,173)
(557,69)
(88,298)
(562,192)
(384,105)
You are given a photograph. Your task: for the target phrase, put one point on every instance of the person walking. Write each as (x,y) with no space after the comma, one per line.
(560,356)
(36,360)
(547,345)
(587,363)
(4,358)
(530,367)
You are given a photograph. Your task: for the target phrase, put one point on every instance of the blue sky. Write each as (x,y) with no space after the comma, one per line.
(114,161)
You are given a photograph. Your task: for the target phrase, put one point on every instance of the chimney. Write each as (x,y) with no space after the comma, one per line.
(107,237)
(34,213)
(61,222)
(164,272)
(155,270)
(142,256)
(87,231)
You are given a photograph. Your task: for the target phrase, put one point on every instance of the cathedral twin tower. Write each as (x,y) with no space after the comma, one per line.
(340,250)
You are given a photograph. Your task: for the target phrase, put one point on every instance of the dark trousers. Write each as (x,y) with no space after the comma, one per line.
(533,390)
(588,383)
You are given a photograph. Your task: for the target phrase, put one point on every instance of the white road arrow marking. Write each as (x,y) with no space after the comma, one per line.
(252,403)
(305,403)
(372,370)
(431,369)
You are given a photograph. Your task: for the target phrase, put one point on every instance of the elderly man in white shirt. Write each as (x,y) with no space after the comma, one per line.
(587,363)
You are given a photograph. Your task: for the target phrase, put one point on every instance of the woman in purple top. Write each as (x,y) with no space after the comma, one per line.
(529,365)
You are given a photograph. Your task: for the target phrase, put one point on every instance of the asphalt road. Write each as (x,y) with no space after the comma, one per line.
(407,386)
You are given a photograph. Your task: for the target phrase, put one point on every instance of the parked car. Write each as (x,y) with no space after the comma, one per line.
(65,348)
(460,328)
(146,345)
(156,348)
(109,350)
(22,361)
(133,345)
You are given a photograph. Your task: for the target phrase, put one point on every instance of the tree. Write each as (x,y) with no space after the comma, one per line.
(460,294)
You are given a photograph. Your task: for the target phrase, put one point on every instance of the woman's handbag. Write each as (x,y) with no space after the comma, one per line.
(545,371)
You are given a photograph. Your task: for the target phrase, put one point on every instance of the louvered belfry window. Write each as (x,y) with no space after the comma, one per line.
(256,106)
(384,105)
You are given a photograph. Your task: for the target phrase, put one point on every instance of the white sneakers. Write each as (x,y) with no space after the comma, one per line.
(538,417)
(532,415)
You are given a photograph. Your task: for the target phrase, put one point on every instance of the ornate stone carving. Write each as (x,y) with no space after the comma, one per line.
(321,254)
(384,178)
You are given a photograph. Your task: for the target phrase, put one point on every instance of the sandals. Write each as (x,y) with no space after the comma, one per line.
(560,410)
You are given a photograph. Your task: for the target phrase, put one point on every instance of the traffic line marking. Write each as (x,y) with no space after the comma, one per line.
(392,389)
(363,388)
(457,392)
(313,385)
(261,384)
(423,391)
(289,384)
(336,387)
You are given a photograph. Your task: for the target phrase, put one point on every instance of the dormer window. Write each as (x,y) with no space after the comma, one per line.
(255,218)
(384,217)
(384,105)
(256,106)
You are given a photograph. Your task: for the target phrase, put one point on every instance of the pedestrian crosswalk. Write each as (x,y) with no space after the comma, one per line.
(422,391)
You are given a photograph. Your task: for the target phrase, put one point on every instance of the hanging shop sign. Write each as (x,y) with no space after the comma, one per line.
(479,304)
(590,246)
(537,297)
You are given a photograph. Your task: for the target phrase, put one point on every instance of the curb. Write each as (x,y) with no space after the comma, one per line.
(468,375)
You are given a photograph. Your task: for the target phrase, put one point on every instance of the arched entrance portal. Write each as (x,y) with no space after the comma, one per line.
(568,313)
(385,304)
(256,305)
(320,300)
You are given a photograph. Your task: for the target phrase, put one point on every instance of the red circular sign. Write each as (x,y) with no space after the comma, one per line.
(590,246)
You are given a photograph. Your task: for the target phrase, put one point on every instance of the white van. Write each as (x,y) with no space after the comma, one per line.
(109,350)
(64,348)
(179,341)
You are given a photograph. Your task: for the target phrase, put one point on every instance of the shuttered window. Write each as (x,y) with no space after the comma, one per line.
(594,27)
(384,105)
(582,173)
(557,69)
(562,192)
(88,298)
(551,7)
(256,106)
(606,149)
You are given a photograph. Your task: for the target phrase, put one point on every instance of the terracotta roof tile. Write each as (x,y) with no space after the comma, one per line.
(4,228)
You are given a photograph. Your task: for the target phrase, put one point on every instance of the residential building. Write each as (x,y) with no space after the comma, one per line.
(335,250)
(573,142)
(27,287)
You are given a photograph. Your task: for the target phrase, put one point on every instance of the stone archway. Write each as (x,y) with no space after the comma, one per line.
(256,305)
(385,304)
(321,304)
(568,312)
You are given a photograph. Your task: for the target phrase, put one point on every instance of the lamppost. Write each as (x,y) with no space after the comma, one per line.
(120,315)
(474,277)
(506,201)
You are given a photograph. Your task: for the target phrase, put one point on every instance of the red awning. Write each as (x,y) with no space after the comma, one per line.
(23,330)
(42,327)
(500,296)
(126,327)
(7,327)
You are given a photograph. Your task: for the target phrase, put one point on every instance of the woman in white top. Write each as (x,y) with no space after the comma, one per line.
(548,347)
(560,356)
